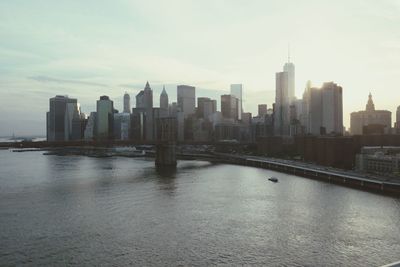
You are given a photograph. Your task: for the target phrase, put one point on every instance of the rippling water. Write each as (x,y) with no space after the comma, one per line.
(121,211)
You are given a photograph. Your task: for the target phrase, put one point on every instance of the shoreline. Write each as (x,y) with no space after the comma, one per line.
(315,172)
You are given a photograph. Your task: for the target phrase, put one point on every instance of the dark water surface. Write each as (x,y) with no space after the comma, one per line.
(60,211)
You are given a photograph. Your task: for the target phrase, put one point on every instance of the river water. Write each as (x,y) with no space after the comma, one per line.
(75,210)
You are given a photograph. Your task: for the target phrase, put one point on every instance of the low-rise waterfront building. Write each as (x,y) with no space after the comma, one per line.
(379,160)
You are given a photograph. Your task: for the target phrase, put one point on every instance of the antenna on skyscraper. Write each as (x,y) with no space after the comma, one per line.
(288,48)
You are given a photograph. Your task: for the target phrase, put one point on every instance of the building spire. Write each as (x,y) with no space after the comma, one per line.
(163,90)
(147,86)
(370,104)
(288,52)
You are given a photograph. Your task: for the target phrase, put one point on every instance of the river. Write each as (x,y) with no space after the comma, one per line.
(76,210)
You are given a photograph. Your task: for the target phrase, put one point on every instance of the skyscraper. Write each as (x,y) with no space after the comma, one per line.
(229,107)
(323,109)
(262,110)
(397,123)
(63,110)
(332,103)
(104,118)
(290,69)
(305,108)
(282,104)
(127,103)
(140,100)
(164,99)
(121,128)
(90,129)
(186,99)
(284,96)
(237,91)
(144,99)
(205,107)
(148,96)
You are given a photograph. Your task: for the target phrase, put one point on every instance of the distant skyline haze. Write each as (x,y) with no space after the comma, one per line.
(86,49)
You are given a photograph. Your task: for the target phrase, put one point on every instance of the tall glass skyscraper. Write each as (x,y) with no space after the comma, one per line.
(60,118)
(127,103)
(104,117)
(237,91)
(186,99)
(289,68)
(164,99)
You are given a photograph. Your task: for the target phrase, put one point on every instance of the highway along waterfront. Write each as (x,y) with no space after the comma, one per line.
(79,210)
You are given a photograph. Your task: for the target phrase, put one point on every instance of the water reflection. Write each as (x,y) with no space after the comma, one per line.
(122,211)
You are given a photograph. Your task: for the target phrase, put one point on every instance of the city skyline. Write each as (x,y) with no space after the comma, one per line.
(358,48)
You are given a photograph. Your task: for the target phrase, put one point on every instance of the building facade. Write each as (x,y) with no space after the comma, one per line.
(379,160)
(282,104)
(164,99)
(122,126)
(186,99)
(230,107)
(127,103)
(237,91)
(144,99)
(397,123)
(63,119)
(104,118)
(370,117)
(323,110)
(262,110)
(90,129)
(206,107)
(290,70)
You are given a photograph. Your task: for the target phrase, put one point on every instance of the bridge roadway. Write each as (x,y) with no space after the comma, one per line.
(105,143)
(342,177)
(347,178)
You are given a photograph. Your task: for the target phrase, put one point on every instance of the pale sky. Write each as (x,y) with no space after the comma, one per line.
(89,48)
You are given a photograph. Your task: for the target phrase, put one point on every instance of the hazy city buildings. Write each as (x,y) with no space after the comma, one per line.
(370,121)
(237,91)
(186,99)
(319,112)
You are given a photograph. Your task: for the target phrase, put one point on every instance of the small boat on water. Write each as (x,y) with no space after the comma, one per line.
(273,179)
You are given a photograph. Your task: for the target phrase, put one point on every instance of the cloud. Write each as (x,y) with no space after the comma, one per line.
(46,79)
